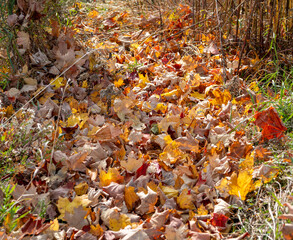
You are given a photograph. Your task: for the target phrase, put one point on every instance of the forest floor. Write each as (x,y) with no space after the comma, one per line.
(123,123)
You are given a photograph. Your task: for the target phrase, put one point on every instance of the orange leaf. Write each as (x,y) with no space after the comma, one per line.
(130,197)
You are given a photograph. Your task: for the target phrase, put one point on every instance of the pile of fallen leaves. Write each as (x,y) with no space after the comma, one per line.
(147,141)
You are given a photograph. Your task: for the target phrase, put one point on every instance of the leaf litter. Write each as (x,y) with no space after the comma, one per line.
(148,141)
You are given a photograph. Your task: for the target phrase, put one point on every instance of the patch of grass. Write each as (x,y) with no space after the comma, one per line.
(20,144)
(259,215)
(9,208)
(277,87)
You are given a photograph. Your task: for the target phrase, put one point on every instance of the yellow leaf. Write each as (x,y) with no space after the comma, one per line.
(174,94)
(168,139)
(64,205)
(81,188)
(161,107)
(242,184)
(135,45)
(248,162)
(84,84)
(169,191)
(130,197)
(194,79)
(185,200)
(54,225)
(96,230)
(77,118)
(202,210)
(58,82)
(221,97)
(93,14)
(119,83)
(198,95)
(45,97)
(143,80)
(9,111)
(117,224)
(171,153)
(112,175)
(254,86)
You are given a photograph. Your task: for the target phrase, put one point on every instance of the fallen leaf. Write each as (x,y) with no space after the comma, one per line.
(130,197)
(185,200)
(148,201)
(23,39)
(65,205)
(77,217)
(271,124)
(112,175)
(133,162)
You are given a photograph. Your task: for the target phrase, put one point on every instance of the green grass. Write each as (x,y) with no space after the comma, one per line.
(277,87)
(9,208)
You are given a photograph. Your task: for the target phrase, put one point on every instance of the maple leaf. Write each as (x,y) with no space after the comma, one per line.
(77,218)
(241,184)
(220,97)
(96,230)
(121,222)
(58,82)
(185,200)
(148,201)
(132,163)
(34,226)
(219,220)
(112,175)
(130,197)
(271,124)
(118,83)
(158,219)
(64,205)
(81,188)
(169,191)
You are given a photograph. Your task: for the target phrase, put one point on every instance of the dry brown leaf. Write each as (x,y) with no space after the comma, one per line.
(148,201)
(77,218)
(23,39)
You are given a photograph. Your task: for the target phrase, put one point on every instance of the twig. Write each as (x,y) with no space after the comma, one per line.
(246,36)
(221,42)
(57,124)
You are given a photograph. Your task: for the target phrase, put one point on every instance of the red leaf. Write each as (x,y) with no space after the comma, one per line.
(271,124)
(34,226)
(219,220)
(142,170)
